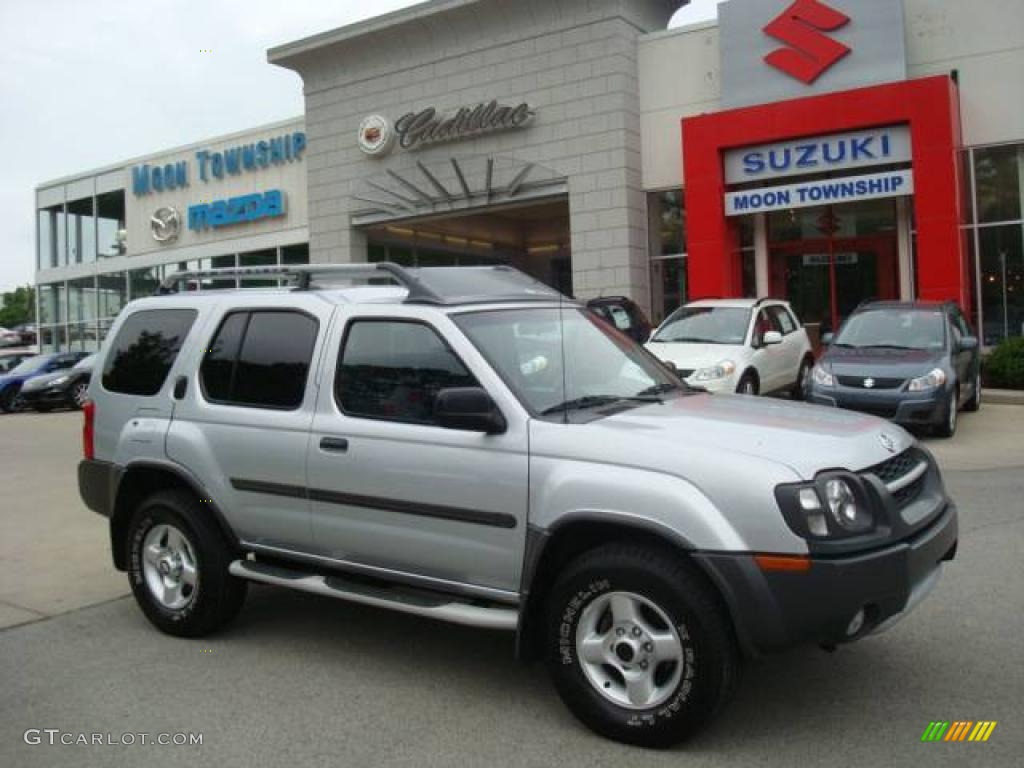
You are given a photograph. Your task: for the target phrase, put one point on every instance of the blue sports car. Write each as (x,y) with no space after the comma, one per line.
(11,382)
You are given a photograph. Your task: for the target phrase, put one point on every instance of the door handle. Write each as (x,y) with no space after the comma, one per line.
(334,444)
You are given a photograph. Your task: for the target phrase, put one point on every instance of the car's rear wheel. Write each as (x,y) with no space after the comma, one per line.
(79,394)
(178,566)
(638,647)
(748,384)
(948,427)
(974,404)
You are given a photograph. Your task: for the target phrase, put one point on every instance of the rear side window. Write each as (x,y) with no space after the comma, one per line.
(260,359)
(393,370)
(145,349)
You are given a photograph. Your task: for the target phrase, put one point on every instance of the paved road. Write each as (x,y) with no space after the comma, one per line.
(300,680)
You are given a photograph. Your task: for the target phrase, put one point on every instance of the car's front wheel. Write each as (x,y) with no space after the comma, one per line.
(803,378)
(79,394)
(974,404)
(178,566)
(748,384)
(9,399)
(639,649)
(948,427)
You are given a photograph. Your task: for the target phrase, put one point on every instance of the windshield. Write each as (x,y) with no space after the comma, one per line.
(602,367)
(895,329)
(705,325)
(32,365)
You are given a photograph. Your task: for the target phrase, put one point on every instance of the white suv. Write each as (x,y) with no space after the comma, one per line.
(749,346)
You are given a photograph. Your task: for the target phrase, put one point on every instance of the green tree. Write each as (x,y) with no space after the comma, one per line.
(18,306)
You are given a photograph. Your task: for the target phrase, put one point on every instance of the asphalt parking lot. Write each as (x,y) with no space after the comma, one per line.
(301,680)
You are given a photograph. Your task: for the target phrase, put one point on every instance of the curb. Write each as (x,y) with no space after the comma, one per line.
(1003,396)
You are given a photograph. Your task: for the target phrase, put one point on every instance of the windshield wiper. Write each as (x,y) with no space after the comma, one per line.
(594,401)
(658,389)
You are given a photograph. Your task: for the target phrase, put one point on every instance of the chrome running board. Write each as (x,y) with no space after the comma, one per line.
(433,605)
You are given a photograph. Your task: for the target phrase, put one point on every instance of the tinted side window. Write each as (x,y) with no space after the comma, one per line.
(393,370)
(260,359)
(145,349)
(219,363)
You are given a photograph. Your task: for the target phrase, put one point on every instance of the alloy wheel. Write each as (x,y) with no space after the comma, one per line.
(629,650)
(80,393)
(169,567)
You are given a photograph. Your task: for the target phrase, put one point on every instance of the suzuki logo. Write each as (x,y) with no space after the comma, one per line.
(811,52)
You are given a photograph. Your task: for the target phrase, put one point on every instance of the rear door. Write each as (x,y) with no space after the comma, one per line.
(394,492)
(243,421)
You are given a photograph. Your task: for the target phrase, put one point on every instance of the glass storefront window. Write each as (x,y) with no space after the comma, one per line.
(1002,282)
(47,257)
(109,220)
(264,258)
(51,303)
(81,231)
(667,223)
(295,254)
(62,237)
(144,282)
(668,286)
(111,294)
(997,179)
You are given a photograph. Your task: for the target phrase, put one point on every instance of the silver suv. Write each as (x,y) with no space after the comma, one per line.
(469,445)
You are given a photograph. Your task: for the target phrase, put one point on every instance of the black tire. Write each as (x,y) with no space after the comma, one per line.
(217,595)
(748,384)
(974,404)
(797,393)
(9,399)
(706,680)
(948,426)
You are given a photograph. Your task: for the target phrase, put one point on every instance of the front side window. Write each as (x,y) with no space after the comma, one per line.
(393,370)
(705,325)
(562,362)
(145,349)
(260,359)
(894,329)
(783,319)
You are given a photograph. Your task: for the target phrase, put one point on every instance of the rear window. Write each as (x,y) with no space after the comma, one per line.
(145,349)
(260,359)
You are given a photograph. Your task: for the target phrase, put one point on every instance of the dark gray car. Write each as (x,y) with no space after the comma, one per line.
(915,363)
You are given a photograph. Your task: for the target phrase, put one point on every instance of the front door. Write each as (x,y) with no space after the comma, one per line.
(394,492)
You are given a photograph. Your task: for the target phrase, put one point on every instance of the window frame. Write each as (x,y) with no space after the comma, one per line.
(249,312)
(350,323)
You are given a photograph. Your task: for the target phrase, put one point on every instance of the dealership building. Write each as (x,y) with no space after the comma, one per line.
(823,151)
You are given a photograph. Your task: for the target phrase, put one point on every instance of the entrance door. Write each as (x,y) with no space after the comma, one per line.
(828,275)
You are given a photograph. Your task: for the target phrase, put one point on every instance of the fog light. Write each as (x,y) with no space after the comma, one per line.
(856,624)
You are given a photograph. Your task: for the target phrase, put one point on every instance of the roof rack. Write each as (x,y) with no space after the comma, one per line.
(426,285)
(303,275)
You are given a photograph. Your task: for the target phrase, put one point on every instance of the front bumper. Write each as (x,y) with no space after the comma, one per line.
(904,408)
(47,396)
(776,610)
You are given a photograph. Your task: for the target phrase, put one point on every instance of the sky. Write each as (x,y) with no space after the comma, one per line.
(88,83)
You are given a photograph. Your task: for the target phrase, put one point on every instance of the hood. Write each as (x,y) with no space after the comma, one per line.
(704,432)
(688,356)
(882,363)
(42,380)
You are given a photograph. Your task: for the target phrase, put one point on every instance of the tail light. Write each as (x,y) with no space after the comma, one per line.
(89,429)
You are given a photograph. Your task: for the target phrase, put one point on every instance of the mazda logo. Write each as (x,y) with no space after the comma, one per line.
(165,224)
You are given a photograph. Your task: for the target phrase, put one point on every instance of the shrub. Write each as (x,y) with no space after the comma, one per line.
(1005,367)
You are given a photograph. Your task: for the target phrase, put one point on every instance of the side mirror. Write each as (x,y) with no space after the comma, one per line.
(968,344)
(771,339)
(470,409)
(826,339)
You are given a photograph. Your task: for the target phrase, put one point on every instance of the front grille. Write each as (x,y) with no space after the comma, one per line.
(857,382)
(893,469)
(898,467)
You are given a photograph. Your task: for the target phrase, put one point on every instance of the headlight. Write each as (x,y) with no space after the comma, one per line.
(933,380)
(720,371)
(822,377)
(62,380)
(832,507)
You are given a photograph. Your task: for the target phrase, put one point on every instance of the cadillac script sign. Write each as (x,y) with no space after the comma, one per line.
(419,129)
